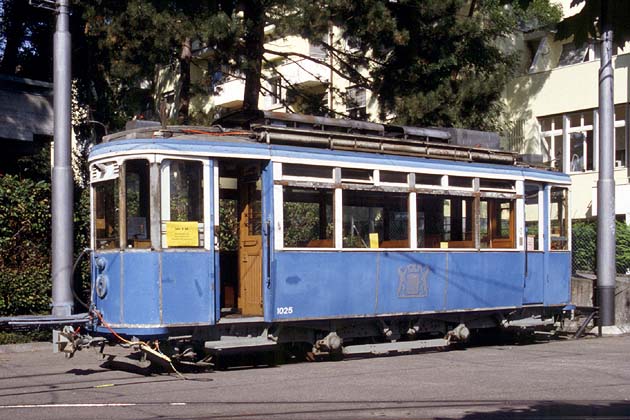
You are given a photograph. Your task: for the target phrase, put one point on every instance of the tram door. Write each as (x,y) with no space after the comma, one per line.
(250,257)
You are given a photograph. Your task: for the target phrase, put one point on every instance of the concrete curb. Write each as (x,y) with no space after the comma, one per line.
(26,347)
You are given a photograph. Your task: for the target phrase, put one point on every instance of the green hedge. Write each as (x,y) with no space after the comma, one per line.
(24,246)
(585,247)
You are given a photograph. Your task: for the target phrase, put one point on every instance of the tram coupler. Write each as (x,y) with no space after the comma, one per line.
(460,334)
(68,341)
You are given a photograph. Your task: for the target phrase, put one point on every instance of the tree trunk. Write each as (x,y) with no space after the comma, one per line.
(15,13)
(184,78)
(254,14)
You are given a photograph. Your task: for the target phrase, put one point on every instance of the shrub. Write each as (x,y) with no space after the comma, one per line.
(24,246)
(585,247)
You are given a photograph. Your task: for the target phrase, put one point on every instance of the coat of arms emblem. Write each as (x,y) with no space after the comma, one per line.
(412,281)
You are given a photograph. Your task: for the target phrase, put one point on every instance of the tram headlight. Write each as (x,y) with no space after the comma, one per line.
(101,263)
(101,285)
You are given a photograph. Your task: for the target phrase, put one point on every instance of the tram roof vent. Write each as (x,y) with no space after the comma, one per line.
(247,119)
(418,133)
(474,138)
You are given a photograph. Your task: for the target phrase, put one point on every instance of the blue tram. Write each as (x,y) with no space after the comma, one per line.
(347,236)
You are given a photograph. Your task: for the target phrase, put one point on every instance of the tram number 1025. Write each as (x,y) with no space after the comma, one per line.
(284,310)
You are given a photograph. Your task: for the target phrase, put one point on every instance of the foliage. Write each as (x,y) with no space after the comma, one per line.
(584,241)
(25,337)
(430,65)
(228,228)
(301,223)
(24,246)
(26,40)
(586,25)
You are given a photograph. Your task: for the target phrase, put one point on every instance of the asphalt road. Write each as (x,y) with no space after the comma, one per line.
(563,379)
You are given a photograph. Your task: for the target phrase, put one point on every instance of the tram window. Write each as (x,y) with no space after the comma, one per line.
(496,223)
(428,179)
(308,217)
(496,184)
(445,221)
(460,181)
(106,214)
(356,175)
(559,216)
(137,203)
(184,186)
(393,177)
(375,220)
(532,216)
(307,171)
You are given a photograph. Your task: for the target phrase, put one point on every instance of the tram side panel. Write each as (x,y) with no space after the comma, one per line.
(187,287)
(485,280)
(107,285)
(557,287)
(335,284)
(140,289)
(534,278)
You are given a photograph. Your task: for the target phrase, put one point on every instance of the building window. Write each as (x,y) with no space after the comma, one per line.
(621,125)
(572,54)
(579,129)
(317,50)
(275,90)
(551,143)
(537,49)
(356,103)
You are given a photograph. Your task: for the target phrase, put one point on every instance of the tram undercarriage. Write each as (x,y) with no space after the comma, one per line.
(231,339)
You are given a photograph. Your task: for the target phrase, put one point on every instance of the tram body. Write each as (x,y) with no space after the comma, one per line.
(213,234)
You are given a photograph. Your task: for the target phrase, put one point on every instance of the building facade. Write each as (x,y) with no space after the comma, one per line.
(297,80)
(26,118)
(553,107)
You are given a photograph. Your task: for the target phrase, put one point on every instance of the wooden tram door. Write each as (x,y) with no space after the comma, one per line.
(250,299)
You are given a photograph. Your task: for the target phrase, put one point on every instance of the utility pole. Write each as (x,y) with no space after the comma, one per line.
(606,267)
(62,186)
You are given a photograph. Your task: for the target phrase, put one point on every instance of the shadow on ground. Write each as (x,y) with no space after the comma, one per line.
(558,410)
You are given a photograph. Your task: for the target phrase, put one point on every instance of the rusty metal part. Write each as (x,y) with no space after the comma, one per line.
(378,144)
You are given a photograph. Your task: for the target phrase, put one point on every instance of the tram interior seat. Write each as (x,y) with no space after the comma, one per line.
(320,243)
(395,243)
(141,243)
(460,244)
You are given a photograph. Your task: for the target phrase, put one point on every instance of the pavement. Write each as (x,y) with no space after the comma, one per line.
(557,379)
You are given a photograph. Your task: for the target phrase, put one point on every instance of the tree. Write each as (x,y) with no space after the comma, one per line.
(139,37)
(26,40)
(433,62)
(584,25)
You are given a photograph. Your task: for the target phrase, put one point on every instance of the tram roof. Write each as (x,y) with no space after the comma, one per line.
(262,134)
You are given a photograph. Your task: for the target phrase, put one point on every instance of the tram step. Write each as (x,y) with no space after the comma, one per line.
(236,344)
(396,347)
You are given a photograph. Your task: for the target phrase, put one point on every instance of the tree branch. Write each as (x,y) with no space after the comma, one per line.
(362,80)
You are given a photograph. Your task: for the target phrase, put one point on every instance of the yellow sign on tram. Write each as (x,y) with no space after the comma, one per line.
(182,234)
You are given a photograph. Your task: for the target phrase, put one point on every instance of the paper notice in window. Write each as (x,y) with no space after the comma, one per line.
(373,240)
(182,234)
